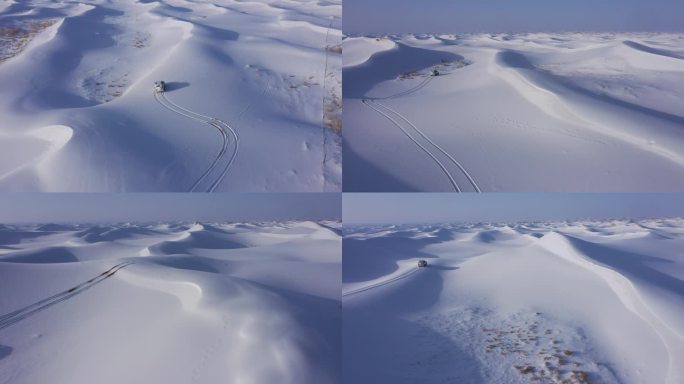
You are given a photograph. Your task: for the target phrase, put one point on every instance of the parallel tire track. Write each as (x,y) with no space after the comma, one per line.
(375,105)
(192,115)
(369,104)
(223,128)
(409,91)
(13,317)
(476,188)
(380,284)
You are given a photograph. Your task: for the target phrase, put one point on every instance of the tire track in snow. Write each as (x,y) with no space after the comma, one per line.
(171,106)
(380,284)
(368,102)
(424,146)
(224,129)
(39,306)
(409,91)
(440,149)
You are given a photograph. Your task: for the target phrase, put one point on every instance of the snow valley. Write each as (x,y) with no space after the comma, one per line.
(578,301)
(170,303)
(514,112)
(252,99)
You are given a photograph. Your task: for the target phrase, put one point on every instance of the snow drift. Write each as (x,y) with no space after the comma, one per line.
(270,71)
(555,302)
(172,303)
(524,112)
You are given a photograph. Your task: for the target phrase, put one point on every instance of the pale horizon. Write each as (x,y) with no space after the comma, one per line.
(105,208)
(435,208)
(502,16)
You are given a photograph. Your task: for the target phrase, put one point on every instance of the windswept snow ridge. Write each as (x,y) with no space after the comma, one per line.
(523,112)
(170,302)
(549,302)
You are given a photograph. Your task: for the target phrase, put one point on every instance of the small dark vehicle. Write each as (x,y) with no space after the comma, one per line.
(159,86)
(422,263)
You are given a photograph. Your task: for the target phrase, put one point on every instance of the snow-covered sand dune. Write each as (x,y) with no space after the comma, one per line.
(78,111)
(549,302)
(170,303)
(525,112)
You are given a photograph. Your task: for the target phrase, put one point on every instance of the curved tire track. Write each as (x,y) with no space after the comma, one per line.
(11,318)
(476,188)
(373,103)
(409,91)
(223,128)
(367,103)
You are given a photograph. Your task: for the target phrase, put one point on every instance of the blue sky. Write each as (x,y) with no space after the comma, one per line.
(459,16)
(145,207)
(364,208)
(374,208)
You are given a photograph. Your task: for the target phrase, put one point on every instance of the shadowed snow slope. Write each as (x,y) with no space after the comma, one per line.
(527,112)
(170,303)
(552,302)
(78,112)
(357,50)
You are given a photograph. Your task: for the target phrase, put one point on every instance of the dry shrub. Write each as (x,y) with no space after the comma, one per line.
(335,49)
(13,40)
(332,114)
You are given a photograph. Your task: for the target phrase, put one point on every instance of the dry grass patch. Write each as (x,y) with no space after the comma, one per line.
(335,49)
(14,39)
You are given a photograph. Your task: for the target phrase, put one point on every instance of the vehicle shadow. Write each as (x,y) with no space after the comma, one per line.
(5,351)
(175,85)
(442,267)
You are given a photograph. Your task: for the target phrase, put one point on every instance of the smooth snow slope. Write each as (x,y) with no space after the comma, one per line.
(78,112)
(526,112)
(556,302)
(170,303)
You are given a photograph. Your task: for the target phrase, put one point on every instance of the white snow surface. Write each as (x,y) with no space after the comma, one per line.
(521,112)
(78,111)
(170,303)
(547,302)
(357,50)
